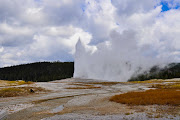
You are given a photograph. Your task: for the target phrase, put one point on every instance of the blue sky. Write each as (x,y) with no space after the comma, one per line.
(166,5)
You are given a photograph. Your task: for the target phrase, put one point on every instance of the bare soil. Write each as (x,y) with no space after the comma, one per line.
(60,103)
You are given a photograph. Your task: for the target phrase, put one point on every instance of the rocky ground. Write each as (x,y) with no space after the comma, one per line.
(79,99)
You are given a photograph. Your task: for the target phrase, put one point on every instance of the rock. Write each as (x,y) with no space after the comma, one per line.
(3,115)
(31,90)
(57,109)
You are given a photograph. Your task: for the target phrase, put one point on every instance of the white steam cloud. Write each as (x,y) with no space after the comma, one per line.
(116,60)
(143,40)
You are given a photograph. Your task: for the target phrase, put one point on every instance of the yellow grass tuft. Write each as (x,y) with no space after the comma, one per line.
(149,97)
(10,89)
(23,82)
(149,81)
(19,91)
(13,83)
(176,86)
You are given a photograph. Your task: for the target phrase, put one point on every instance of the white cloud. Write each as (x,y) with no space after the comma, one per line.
(129,7)
(99,19)
(14,30)
(34,16)
(49,29)
(39,30)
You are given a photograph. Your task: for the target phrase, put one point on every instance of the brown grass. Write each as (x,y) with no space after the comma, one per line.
(149,97)
(167,86)
(19,91)
(156,81)
(148,81)
(13,83)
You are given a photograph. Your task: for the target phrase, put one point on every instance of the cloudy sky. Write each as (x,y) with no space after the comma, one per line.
(48,30)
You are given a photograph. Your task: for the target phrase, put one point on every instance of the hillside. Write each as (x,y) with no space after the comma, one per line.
(39,71)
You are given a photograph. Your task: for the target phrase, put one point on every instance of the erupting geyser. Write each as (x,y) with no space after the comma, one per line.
(118,59)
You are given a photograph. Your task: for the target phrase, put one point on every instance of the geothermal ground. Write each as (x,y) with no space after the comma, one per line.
(74,99)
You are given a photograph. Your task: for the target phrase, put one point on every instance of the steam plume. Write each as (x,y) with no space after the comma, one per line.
(115,60)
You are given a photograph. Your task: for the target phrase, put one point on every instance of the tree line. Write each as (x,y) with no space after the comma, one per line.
(170,71)
(48,71)
(38,72)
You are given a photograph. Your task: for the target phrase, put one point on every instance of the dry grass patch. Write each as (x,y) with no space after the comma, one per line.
(149,81)
(23,82)
(156,81)
(176,86)
(13,83)
(149,97)
(167,86)
(20,91)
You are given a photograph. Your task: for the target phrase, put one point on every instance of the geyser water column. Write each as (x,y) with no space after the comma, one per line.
(115,60)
